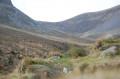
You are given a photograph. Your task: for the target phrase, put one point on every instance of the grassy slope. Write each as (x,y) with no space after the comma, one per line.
(26,44)
(88,67)
(92,67)
(14,37)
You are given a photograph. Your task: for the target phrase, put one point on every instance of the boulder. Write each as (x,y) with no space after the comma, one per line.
(112,50)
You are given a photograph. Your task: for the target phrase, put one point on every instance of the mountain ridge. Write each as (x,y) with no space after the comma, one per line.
(89,23)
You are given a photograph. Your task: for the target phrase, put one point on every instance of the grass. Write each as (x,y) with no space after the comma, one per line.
(54,53)
(57,64)
(63,63)
(94,68)
(105,43)
(111,74)
(18,76)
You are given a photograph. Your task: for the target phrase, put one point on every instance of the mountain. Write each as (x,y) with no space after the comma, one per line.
(91,23)
(28,49)
(12,17)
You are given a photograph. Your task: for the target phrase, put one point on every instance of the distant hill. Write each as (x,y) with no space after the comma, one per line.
(12,17)
(88,24)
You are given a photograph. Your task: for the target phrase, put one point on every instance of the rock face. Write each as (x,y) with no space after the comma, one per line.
(112,50)
(8,2)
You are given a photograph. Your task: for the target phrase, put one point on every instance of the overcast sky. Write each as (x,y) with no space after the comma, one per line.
(59,10)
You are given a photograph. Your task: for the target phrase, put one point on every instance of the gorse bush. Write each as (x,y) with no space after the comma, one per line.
(74,53)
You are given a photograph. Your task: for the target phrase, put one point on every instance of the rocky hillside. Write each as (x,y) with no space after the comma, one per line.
(88,24)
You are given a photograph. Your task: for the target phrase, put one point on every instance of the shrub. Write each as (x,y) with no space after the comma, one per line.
(23,65)
(98,44)
(74,53)
(27,61)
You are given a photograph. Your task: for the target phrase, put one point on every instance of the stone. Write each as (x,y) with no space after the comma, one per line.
(65,70)
(55,57)
(113,50)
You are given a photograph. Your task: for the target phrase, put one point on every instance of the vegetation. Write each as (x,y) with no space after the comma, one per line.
(27,50)
(85,67)
(74,53)
(39,63)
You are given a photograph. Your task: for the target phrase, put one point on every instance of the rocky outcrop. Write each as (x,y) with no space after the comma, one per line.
(113,50)
(112,36)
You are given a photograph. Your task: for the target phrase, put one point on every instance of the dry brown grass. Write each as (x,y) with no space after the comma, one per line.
(98,44)
(51,53)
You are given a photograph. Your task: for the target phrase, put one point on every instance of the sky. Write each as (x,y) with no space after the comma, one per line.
(60,10)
